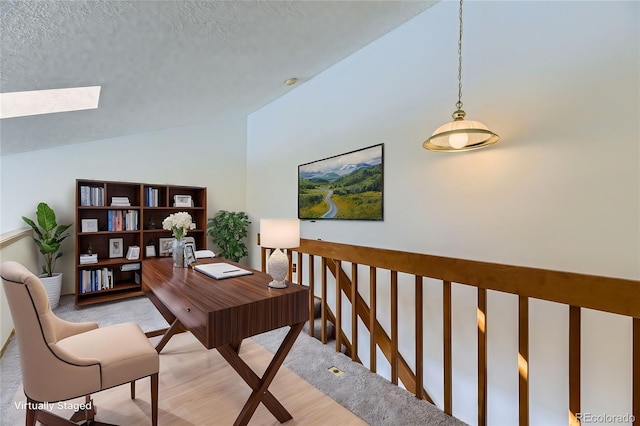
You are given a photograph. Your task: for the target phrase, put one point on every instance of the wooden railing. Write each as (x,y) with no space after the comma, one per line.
(614,295)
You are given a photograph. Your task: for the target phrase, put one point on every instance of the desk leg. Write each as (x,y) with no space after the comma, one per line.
(176,327)
(260,386)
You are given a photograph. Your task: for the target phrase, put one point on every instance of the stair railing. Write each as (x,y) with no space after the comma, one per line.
(613,295)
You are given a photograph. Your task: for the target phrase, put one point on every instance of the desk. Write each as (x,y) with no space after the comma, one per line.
(221,313)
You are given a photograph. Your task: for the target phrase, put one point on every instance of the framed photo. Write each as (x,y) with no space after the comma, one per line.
(190,241)
(182,201)
(345,186)
(89,225)
(189,255)
(150,251)
(164,246)
(133,253)
(116,247)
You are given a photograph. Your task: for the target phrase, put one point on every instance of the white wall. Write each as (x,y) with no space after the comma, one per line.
(559,82)
(211,155)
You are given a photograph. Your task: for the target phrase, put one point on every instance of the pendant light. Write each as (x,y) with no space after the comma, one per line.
(460,134)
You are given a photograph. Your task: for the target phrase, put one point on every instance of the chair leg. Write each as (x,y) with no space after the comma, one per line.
(133,389)
(31,413)
(154,399)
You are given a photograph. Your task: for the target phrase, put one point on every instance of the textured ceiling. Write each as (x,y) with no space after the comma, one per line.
(167,64)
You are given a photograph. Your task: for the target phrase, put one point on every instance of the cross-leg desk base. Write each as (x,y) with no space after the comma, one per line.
(230,353)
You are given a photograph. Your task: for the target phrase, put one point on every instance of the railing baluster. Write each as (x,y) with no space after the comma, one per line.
(372,319)
(482,357)
(523,360)
(338,324)
(312,308)
(448,368)
(354,312)
(574,364)
(636,372)
(419,337)
(394,327)
(323,311)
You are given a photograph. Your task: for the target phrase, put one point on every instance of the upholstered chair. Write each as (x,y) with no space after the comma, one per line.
(61,360)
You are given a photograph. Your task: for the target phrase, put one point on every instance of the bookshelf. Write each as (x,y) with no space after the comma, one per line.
(135,220)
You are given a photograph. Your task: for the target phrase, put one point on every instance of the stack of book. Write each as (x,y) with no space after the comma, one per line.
(86,259)
(120,201)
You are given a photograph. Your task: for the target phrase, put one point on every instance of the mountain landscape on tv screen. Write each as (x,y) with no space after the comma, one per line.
(341,190)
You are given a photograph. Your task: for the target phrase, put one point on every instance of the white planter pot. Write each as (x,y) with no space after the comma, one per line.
(53,286)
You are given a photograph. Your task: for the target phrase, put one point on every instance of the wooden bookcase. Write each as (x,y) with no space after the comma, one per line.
(114,276)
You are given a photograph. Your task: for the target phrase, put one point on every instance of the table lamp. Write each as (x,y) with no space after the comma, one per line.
(279,234)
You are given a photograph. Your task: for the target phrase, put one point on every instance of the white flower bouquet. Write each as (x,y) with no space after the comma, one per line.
(178,223)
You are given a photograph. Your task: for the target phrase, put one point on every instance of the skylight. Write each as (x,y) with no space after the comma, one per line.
(35,102)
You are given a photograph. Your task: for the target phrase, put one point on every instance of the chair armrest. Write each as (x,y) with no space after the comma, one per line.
(66,329)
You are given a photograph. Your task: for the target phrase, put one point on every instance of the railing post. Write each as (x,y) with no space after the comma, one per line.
(419,337)
(394,327)
(323,311)
(523,360)
(574,364)
(354,312)
(312,308)
(636,372)
(338,324)
(482,356)
(447,363)
(373,286)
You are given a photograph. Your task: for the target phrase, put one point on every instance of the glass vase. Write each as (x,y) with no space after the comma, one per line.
(177,251)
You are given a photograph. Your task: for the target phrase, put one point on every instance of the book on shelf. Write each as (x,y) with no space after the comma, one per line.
(95,280)
(88,258)
(152,197)
(91,196)
(120,220)
(120,201)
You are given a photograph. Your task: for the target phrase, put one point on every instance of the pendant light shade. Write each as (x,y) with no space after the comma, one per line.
(460,134)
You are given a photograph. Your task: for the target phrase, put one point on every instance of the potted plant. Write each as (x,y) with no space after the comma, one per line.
(49,236)
(227,231)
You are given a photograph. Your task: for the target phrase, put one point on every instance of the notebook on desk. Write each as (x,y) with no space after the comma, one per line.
(221,271)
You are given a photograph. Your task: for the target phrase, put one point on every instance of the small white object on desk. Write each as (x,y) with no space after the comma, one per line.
(201,254)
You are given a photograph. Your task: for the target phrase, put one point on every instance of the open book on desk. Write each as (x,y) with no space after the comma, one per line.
(221,271)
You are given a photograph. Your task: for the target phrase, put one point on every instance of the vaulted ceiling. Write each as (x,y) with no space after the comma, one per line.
(164,64)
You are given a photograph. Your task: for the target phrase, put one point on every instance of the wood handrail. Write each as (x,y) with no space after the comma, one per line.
(614,295)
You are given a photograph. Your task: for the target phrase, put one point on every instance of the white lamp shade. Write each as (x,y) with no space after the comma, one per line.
(280,233)
(461,135)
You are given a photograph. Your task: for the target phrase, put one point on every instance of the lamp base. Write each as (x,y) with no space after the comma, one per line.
(278,284)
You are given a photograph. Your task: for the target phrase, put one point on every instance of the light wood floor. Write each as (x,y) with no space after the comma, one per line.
(198,387)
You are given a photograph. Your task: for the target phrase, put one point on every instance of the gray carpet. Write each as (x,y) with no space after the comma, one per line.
(369,396)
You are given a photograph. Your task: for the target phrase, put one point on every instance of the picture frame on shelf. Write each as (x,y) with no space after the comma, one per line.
(182,201)
(133,253)
(89,225)
(116,247)
(189,255)
(164,246)
(150,250)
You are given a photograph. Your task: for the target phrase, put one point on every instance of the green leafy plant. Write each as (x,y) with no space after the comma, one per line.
(227,231)
(50,235)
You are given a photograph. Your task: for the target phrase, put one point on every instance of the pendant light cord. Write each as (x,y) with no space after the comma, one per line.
(459,103)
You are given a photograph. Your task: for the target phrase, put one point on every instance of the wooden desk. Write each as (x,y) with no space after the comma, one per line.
(221,313)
